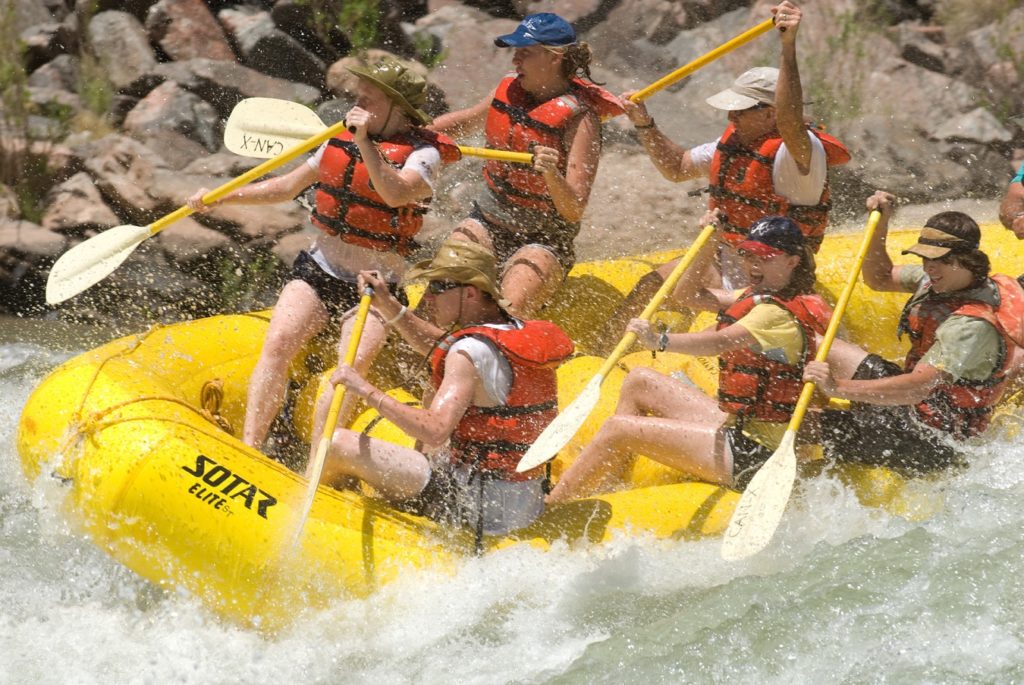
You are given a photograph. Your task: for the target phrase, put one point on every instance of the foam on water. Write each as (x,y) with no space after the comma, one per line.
(843,594)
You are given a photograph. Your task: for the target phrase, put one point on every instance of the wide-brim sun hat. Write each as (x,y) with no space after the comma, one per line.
(403,87)
(543,28)
(461,261)
(753,87)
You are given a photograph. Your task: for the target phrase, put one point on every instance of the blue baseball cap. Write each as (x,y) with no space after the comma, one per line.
(544,28)
(773,235)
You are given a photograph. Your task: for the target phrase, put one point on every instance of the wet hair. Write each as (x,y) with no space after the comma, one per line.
(954,223)
(803,279)
(975,261)
(576,61)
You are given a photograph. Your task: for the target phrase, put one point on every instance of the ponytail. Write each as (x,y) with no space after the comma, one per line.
(576,61)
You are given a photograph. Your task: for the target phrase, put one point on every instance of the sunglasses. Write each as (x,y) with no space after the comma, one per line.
(438,287)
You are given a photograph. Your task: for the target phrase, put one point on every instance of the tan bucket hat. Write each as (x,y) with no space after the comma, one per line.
(406,89)
(461,261)
(753,87)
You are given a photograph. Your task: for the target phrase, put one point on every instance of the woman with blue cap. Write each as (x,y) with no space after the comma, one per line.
(529,216)
(765,335)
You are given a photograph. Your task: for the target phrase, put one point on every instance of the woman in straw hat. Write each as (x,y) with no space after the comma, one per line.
(530,216)
(764,337)
(495,390)
(956,368)
(374,181)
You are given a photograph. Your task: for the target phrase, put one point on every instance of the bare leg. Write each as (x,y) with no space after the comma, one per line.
(683,435)
(396,472)
(844,358)
(531,277)
(298,316)
(370,345)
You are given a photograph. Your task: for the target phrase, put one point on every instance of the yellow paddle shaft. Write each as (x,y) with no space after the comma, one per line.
(834,321)
(249,176)
(350,356)
(687,69)
(500,155)
(666,288)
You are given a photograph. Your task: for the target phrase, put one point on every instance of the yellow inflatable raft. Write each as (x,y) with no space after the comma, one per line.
(141,433)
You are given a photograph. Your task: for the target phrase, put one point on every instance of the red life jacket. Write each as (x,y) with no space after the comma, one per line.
(515,122)
(347,204)
(741,186)
(751,385)
(1011,307)
(494,439)
(960,407)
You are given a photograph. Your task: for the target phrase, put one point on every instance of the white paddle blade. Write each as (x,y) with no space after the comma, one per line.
(91,261)
(266,127)
(314,471)
(760,509)
(560,431)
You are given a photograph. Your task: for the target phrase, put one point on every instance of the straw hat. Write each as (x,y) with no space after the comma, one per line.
(403,87)
(461,261)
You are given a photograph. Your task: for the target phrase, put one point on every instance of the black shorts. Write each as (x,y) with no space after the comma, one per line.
(338,295)
(748,456)
(508,241)
(877,435)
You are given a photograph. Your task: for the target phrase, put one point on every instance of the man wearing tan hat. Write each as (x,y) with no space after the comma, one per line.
(957,366)
(495,390)
(374,181)
(767,162)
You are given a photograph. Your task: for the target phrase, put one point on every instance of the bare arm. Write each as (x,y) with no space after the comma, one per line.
(878,270)
(789,95)
(672,160)
(268,192)
(434,424)
(571,192)
(464,122)
(419,333)
(704,343)
(1011,209)
(905,389)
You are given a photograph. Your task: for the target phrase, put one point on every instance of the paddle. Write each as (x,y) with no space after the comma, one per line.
(565,425)
(316,467)
(687,69)
(93,260)
(259,127)
(759,510)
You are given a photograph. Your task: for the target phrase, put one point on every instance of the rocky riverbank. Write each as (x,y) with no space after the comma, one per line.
(116,110)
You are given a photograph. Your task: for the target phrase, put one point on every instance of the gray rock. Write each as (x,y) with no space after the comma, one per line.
(61,73)
(29,239)
(171,107)
(473,65)
(122,47)
(267,49)
(123,169)
(224,84)
(977,126)
(186,29)
(75,206)
(186,240)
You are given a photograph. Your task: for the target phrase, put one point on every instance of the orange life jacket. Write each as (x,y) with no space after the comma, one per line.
(1010,312)
(515,122)
(494,439)
(741,186)
(347,204)
(750,384)
(960,407)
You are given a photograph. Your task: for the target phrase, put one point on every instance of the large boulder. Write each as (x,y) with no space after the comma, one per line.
(171,107)
(186,29)
(75,207)
(122,47)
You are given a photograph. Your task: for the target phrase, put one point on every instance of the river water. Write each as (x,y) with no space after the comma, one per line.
(845,594)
